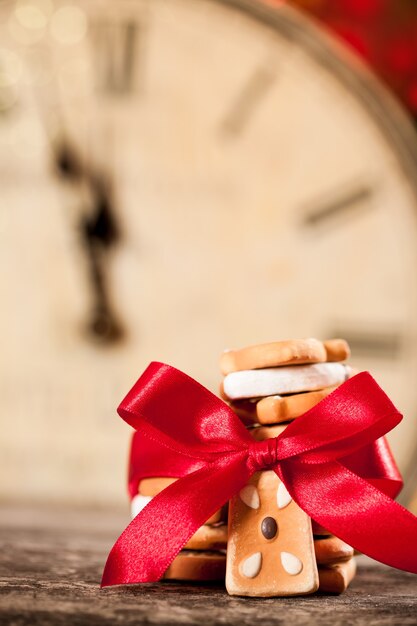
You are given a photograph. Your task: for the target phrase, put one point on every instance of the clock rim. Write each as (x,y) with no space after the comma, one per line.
(389,115)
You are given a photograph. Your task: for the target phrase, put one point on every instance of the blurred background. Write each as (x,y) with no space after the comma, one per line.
(178,177)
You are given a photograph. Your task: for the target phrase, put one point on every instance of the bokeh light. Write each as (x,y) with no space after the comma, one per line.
(33,14)
(11,69)
(68,25)
(27,24)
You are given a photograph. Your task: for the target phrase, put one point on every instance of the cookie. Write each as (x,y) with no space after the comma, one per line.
(294,351)
(276,409)
(150,487)
(330,550)
(209,538)
(278,353)
(284,380)
(336,349)
(337,578)
(270,550)
(192,565)
(153,486)
(259,433)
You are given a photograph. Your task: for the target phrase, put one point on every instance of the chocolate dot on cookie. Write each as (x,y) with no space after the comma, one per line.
(269,527)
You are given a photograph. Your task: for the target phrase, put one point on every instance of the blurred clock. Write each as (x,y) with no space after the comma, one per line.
(179,177)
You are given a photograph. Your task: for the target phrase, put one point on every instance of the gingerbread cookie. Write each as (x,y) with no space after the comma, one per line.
(276,409)
(150,487)
(330,550)
(284,380)
(192,565)
(270,549)
(209,538)
(337,578)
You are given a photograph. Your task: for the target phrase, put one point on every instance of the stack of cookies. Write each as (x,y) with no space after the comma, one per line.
(273,548)
(204,556)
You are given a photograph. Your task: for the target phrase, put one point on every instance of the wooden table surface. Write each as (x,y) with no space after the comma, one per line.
(51,562)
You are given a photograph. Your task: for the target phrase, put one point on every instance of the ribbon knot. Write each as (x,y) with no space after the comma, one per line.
(263,454)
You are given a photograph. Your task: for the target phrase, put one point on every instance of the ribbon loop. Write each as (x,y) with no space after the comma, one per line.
(263,454)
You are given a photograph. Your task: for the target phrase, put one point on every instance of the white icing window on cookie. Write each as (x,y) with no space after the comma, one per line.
(250,496)
(251,566)
(283,497)
(291,563)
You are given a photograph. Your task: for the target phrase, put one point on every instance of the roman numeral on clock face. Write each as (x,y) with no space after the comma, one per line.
(247,100)
(115,48)
(339,204)
(370,343)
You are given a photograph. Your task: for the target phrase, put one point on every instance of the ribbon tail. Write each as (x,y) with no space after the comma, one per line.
(152,540)
(355,510)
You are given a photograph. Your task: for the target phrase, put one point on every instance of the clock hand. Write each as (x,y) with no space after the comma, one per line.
(67,163)
(99,232)
(115,46)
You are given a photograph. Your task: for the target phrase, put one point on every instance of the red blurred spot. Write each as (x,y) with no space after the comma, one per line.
(383,32)
(401,56)
(412,97)
(362,9)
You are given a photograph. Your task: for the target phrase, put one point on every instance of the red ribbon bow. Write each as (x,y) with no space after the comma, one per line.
(333,461)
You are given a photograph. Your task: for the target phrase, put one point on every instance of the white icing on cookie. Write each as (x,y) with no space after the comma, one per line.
(138,503)
(283,380)
(291,563)
(251,566)
(249,495)
(283,497)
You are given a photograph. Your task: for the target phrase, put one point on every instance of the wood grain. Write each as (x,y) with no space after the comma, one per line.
(51,562)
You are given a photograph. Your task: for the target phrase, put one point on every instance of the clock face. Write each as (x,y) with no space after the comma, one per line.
(199,175)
